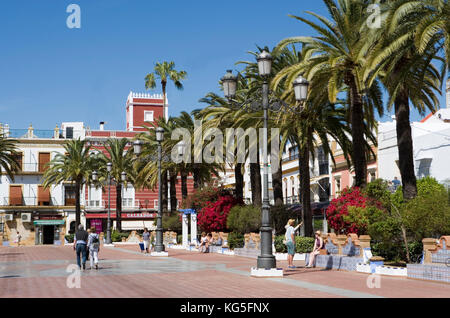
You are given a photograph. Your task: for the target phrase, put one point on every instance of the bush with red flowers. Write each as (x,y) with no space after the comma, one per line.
(338,210)
(213,217)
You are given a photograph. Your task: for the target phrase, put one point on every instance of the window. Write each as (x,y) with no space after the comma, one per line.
(424,167)
(15,195)
(338,185)
(69,195)
(43,196)
(69,132)
(19,159)
(148,116)
(44,158)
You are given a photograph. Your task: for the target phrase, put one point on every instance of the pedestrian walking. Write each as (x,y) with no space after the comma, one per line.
(94,247)
(80,246)
(18,238)
(146,239)
(87,247)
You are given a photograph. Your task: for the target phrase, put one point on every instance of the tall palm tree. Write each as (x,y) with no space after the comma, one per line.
(433,26)
(164,72)
(8,156)
(408,75)
(338,56)
(121,160)
(75,166)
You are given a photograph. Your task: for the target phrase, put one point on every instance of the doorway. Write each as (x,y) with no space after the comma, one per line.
(49,234)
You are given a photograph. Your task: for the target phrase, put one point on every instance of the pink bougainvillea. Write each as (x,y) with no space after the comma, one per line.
(213,217)
(339,207)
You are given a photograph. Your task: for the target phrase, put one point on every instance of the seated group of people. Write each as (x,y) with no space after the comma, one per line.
(206,241)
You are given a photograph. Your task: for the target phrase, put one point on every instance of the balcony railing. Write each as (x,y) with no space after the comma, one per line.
(292,199)
(33,167)
(29,201)
(290,158)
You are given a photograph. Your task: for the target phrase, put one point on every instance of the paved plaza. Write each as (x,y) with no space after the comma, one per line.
(40,271)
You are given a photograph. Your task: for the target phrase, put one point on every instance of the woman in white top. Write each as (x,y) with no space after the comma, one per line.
(94,247)
(290,241)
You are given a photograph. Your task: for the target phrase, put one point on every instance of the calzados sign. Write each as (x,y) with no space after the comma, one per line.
(140,215)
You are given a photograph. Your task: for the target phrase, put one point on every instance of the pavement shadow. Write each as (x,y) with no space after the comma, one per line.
(11,254)
(302,270)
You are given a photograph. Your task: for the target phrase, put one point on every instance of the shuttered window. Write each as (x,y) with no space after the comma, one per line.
(44,158)
(15,195)
(43,196)
(19,160)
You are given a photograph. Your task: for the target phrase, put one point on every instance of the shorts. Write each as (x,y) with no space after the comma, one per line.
(146,244)
(290,248)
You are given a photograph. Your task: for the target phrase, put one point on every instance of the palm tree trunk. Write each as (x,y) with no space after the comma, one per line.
(358,141)
(277,185)
(305,189)
(239,177)
(163,85)
(164,189)
(119,207)
(184,189)
(255,180)
(405,145)
(173,191)
(197,177)
(77,205)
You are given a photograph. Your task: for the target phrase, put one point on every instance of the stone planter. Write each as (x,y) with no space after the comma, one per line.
(375,262)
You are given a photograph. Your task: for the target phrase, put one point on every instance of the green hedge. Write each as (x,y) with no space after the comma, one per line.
(116,236)
(236,240)
(302,244)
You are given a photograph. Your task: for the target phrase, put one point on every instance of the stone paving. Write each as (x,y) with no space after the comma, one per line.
(41,271)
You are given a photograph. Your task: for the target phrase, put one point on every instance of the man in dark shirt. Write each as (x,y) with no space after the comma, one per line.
(79,245)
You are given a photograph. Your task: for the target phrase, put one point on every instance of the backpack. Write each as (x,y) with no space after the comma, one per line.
(95,239)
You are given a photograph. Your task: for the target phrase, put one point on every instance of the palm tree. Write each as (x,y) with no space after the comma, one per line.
(338,56)
(220,114)
(408,75)
(75,166)
(121,160)
(433,27)
(165,71)
(8,156)
(318,123)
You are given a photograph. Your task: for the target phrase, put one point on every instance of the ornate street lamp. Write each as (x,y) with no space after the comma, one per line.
(301,89)
(266,261)
(159,246)
(229,82)
(108,230)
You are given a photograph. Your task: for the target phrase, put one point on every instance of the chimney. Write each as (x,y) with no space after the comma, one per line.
(102,125)
(448,92)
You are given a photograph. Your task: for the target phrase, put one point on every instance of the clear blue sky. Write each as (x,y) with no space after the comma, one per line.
(50,73)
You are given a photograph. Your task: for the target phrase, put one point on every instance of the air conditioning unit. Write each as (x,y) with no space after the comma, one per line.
(9,217)
(26,217)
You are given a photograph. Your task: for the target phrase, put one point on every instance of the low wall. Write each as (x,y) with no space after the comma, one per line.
(438,273)
(347,263)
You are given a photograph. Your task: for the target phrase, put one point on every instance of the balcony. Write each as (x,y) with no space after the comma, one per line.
(32,202)
(32,168)
(292,199)
(290,158)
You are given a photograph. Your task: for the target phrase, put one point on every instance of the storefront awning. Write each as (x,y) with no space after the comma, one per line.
(124,215)
(49,222)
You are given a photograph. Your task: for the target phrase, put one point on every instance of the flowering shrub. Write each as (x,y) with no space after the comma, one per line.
(338,211)
(213,217)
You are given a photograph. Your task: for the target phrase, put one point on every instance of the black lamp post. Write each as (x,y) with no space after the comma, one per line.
(159,246)
(301,93)
(108,229)
(266,260)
